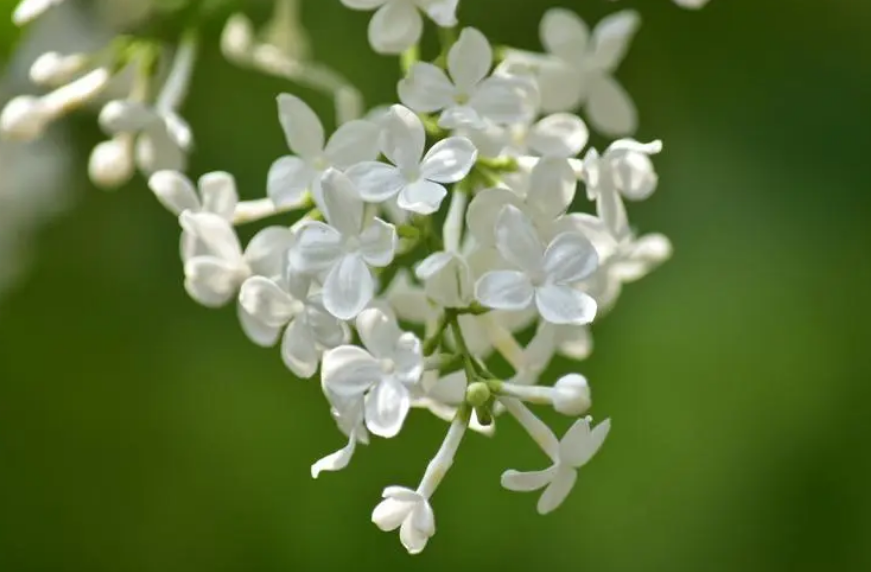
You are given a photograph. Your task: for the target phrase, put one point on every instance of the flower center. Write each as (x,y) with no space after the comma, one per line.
(388,366)
(461,98)
(321,164)
(352,244)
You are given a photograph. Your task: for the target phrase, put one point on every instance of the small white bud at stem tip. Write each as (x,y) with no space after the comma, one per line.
(53,68)
(111,163)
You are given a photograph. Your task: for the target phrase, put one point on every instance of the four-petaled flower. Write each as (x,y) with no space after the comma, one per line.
(547,275)
(575,449)
(417,180)
(344,249)
(410,512)
(397,24)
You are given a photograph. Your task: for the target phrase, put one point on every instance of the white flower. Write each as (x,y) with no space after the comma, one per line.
(214,275)
(380,376)
(417,180)
(469,98)
(410,512)
(397,24)
(163,138)
(576,448)
(28,10)
(349,418)
(287,305)
(581,72)
(292,175)
(447,278)
(546,275)
(345,248)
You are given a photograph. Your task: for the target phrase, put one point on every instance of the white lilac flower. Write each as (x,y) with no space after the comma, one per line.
(28,10)
(575,449)
(292,175)
(416,179)
(380,376)
(215,273)
(350,419)
(471,97)
(286,305)
(570,395)
(410,512)
(344,248)
(397,24)
(581,69)
(546,275)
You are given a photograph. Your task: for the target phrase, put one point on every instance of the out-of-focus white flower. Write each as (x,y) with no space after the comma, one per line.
(470,98)
(417,180)
(344,249)
(54,68)
(575,449)
(580,69)
(397,24)
(215,273)
(286,305)
(292,175)
(410,512)
(692,4)
(546,275)
(28,10)
(381,375)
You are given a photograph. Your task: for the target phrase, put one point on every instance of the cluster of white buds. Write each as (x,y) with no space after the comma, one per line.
(395,299)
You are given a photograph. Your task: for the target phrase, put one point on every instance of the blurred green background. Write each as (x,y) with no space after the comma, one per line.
(140,432)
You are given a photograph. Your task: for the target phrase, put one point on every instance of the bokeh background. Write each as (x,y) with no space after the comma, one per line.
(140,432)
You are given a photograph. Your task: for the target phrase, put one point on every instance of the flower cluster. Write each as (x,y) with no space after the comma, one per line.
(428,235)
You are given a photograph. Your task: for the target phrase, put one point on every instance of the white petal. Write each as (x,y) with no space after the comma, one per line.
(610,109)
(288,179)
(449,160)
(391,512)
(298,350)
(395,27)
(579,444)
(387,406)
(417,529)
(265,301)
(408,359)
(564,305)
(353,142)
(348,287)
(575,342)
(645,254)
(633,174)
(378,243)
(570,257)
(318,247)
(218,190)
(376,182)
(403,138)
(174,191)
(611,38)
(267,251)
(211,281)
(526,481)
(470,59)
(451,285)
(422,197)
(216,235)
(364,4)
(426,89)
(564,34)
(335,461)
(378,332)
(444,12)
(258,332)
(552,186)
(327,330)
(558,490)
(504,290)
(484,210)
(342,206)
(349,371)
(518,241)
(466,117)
(562,87)
(560,135)
(505,101)
(302,128)
(432,264)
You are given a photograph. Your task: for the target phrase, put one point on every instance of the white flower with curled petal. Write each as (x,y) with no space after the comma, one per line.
(546,276)
(344,249)
(580,71)
(163,137)
(286,305)
(349,417)
(470,97)
(292,175)
(575,450)
(416,179)
(397,24)
(215,273)
(410,512)
(381,375)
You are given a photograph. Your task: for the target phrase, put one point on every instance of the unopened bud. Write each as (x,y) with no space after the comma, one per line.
(24,118)
(571,395)
(53,68)
(111,162)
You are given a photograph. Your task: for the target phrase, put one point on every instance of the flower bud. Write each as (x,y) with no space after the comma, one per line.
(124,116)
(24,118)
(571,395)
(53,68)
(111,163)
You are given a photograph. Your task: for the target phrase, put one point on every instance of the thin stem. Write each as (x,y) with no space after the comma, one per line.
(452,231)
(177,82)
(536,428)
(444,458)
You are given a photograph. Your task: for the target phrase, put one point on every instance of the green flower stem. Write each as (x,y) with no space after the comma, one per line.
(408,58)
